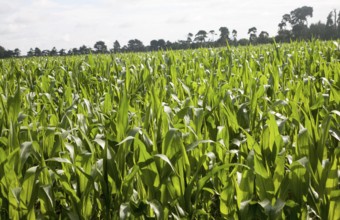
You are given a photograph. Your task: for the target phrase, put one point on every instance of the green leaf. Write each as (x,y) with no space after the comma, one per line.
(196,143)
(157,208)
(59,159)
(166,159)
(14,105)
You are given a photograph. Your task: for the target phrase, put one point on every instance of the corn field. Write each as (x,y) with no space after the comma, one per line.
(225,133)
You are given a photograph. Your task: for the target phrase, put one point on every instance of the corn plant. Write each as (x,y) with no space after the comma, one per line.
(226,133)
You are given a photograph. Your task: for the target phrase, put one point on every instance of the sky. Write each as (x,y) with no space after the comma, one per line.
(26,24)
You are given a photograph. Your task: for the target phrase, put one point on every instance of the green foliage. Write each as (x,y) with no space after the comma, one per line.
(228,133)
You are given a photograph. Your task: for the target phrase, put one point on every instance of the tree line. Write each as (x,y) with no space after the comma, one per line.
(293,26)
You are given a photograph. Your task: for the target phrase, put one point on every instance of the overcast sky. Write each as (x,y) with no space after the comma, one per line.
(73,23)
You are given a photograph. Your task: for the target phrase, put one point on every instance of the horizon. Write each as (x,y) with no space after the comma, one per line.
(68,24)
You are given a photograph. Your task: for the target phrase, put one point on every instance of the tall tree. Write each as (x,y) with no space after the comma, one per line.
(17,52)
(338,25)
(116,46)
(286,18)
(283,24)
(100,47)
(75,51)
(53,52)
(189,37)
(224,35)
(30,53)
(300,31)
(135,45)
(45,52)
(2,52)
(157,44)
(243,42)
(37,52)
(154,45)
(212,34)
(330,22)
(84,50)
(299,15)
(9,53)
(263,37)
(331,30)
(62,52)
(319,31)
(283,36)
(299,21)
(252,34)
(335,21)
(201,36)
(234,32)
(161,44)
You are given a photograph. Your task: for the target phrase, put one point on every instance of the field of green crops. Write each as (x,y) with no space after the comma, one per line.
(226,133)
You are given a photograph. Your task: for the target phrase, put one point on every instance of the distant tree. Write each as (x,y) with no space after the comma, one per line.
(75,51)
(263,37)
(161,44)
(154,45)
(168,45)
(234,33)
(330,22)
(62,52)
(224,32)
(299,21)
(17,52)
(2,52)
(212,34)
(178,45)
(83,50)
(283,36)
(201,36)
(283,24)
(183,44)
(124,48)
(189,37)
(331,25)
(37,52)
(243,42)
(338,25)
(53,52)
(263,34)
(319,31)
(45,52)
(224,36)
(286,18)
(30,53)
(9,53)
(135,45)
(299,15)
(335,20)
(252,34)
(116,47)
(300,31)
(100,47)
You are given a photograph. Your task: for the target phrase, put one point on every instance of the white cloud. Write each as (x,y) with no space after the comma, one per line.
(66,37)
